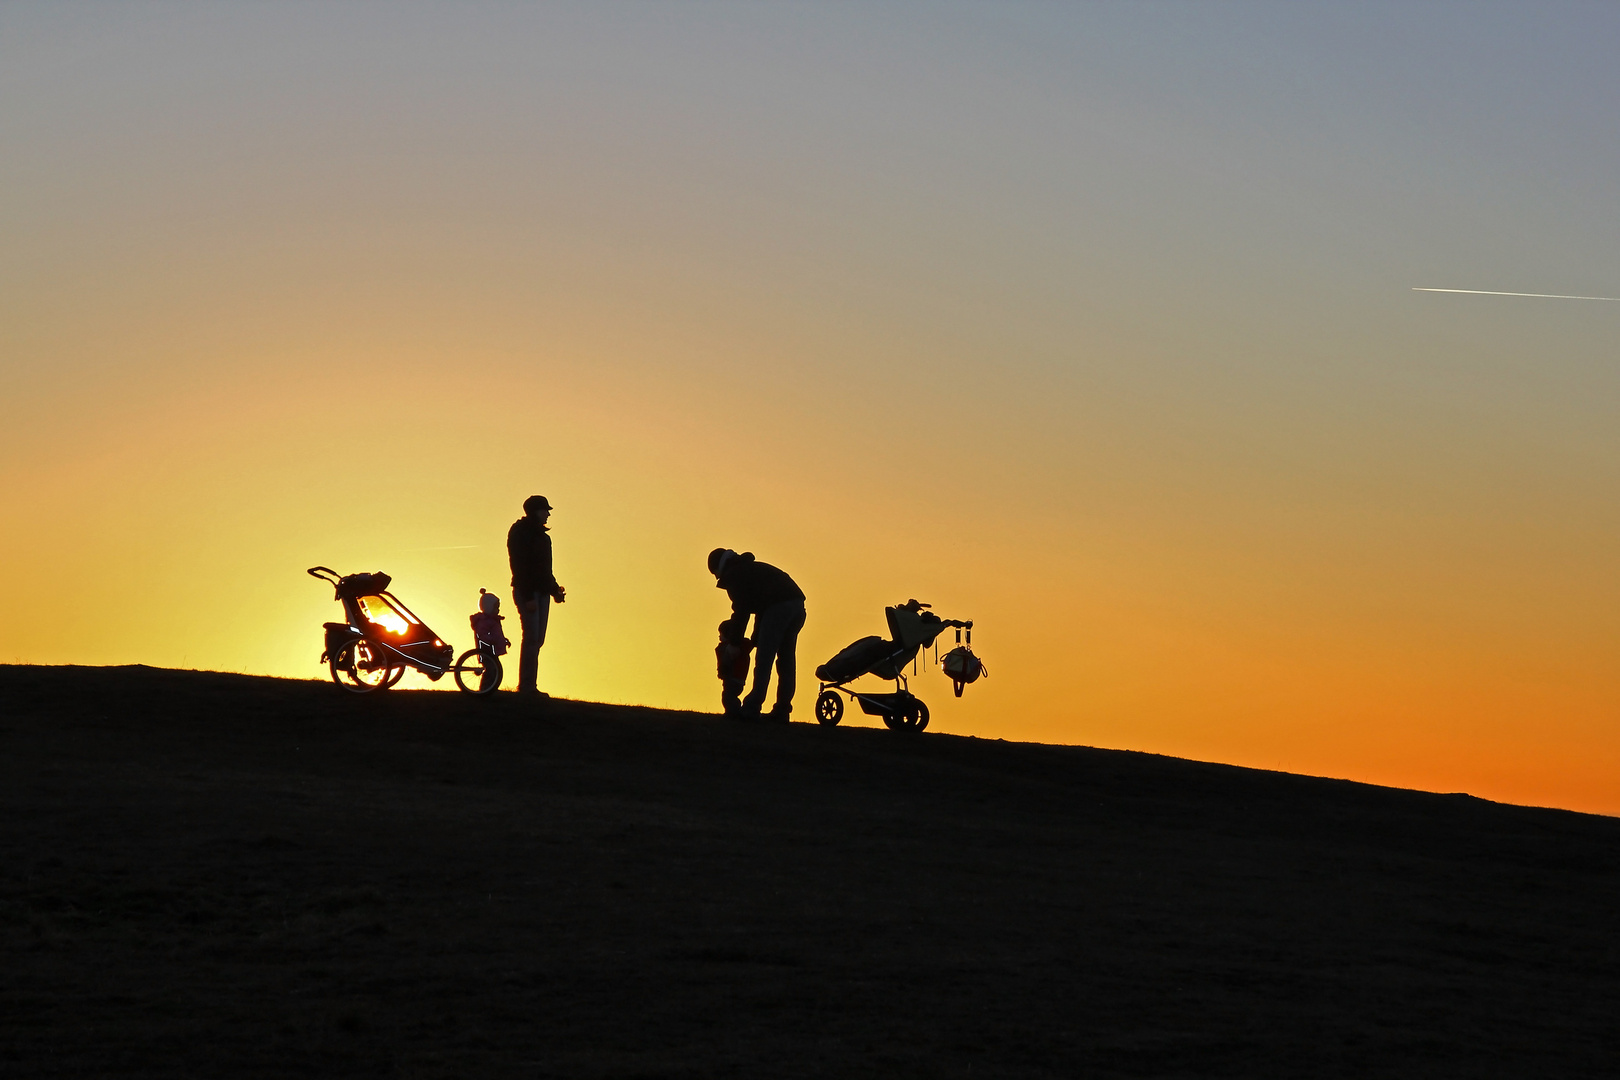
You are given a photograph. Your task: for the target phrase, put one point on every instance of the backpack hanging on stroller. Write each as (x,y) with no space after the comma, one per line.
(911,628)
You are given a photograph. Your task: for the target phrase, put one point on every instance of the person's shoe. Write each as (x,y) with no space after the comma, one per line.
(529,691)
(748,714)
(781,714)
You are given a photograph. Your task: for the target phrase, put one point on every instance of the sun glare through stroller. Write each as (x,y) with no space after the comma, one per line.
(911,628)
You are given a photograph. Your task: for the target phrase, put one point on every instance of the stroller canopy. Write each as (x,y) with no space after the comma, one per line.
(912,627)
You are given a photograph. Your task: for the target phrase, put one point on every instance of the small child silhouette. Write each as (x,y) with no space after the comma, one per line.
(486,625)
(731,663)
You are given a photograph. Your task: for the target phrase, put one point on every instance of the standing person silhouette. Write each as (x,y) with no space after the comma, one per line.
(777,604)
(528,548)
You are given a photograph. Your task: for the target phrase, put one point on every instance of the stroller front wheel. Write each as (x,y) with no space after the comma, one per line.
(477,673)
(829,708)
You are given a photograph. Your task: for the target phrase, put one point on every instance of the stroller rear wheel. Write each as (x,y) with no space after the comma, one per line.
(829,708)
(477,673)
(359,669)
(913,719)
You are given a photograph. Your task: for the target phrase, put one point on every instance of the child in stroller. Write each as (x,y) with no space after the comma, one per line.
(911,628)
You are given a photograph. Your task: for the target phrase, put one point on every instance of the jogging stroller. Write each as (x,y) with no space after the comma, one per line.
(383,637)
(911,628)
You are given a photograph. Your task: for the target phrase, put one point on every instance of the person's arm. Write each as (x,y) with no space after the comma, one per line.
(741,609)
(516,557)
(548,580)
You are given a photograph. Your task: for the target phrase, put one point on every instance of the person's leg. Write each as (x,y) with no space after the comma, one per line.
(731,696)
(787,661)
(768,627)
(486,656)
(529,647)
(533,609)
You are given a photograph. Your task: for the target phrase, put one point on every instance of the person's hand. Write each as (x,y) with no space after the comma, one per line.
(561,594)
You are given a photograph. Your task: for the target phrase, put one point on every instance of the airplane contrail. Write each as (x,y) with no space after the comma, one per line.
(1538,295)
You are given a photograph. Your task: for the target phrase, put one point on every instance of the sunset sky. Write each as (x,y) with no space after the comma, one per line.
(1092,323)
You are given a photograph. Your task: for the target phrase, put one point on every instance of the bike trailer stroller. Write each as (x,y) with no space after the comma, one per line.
(911,628)
(383,637)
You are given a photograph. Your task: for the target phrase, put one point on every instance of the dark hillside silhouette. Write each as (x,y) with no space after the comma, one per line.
(224,876)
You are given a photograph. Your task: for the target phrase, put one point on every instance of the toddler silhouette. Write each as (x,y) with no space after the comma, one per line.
(486,625)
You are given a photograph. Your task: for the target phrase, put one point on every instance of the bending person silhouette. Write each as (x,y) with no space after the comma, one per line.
(528,547)
(777,605)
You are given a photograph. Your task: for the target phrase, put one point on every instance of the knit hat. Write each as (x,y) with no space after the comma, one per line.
(489,603)
(718,559)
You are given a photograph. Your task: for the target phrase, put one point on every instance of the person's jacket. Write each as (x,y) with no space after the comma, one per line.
(528,547)
(754,586)
(487,631)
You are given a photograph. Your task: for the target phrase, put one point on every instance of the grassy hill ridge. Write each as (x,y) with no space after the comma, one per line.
(226,875)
